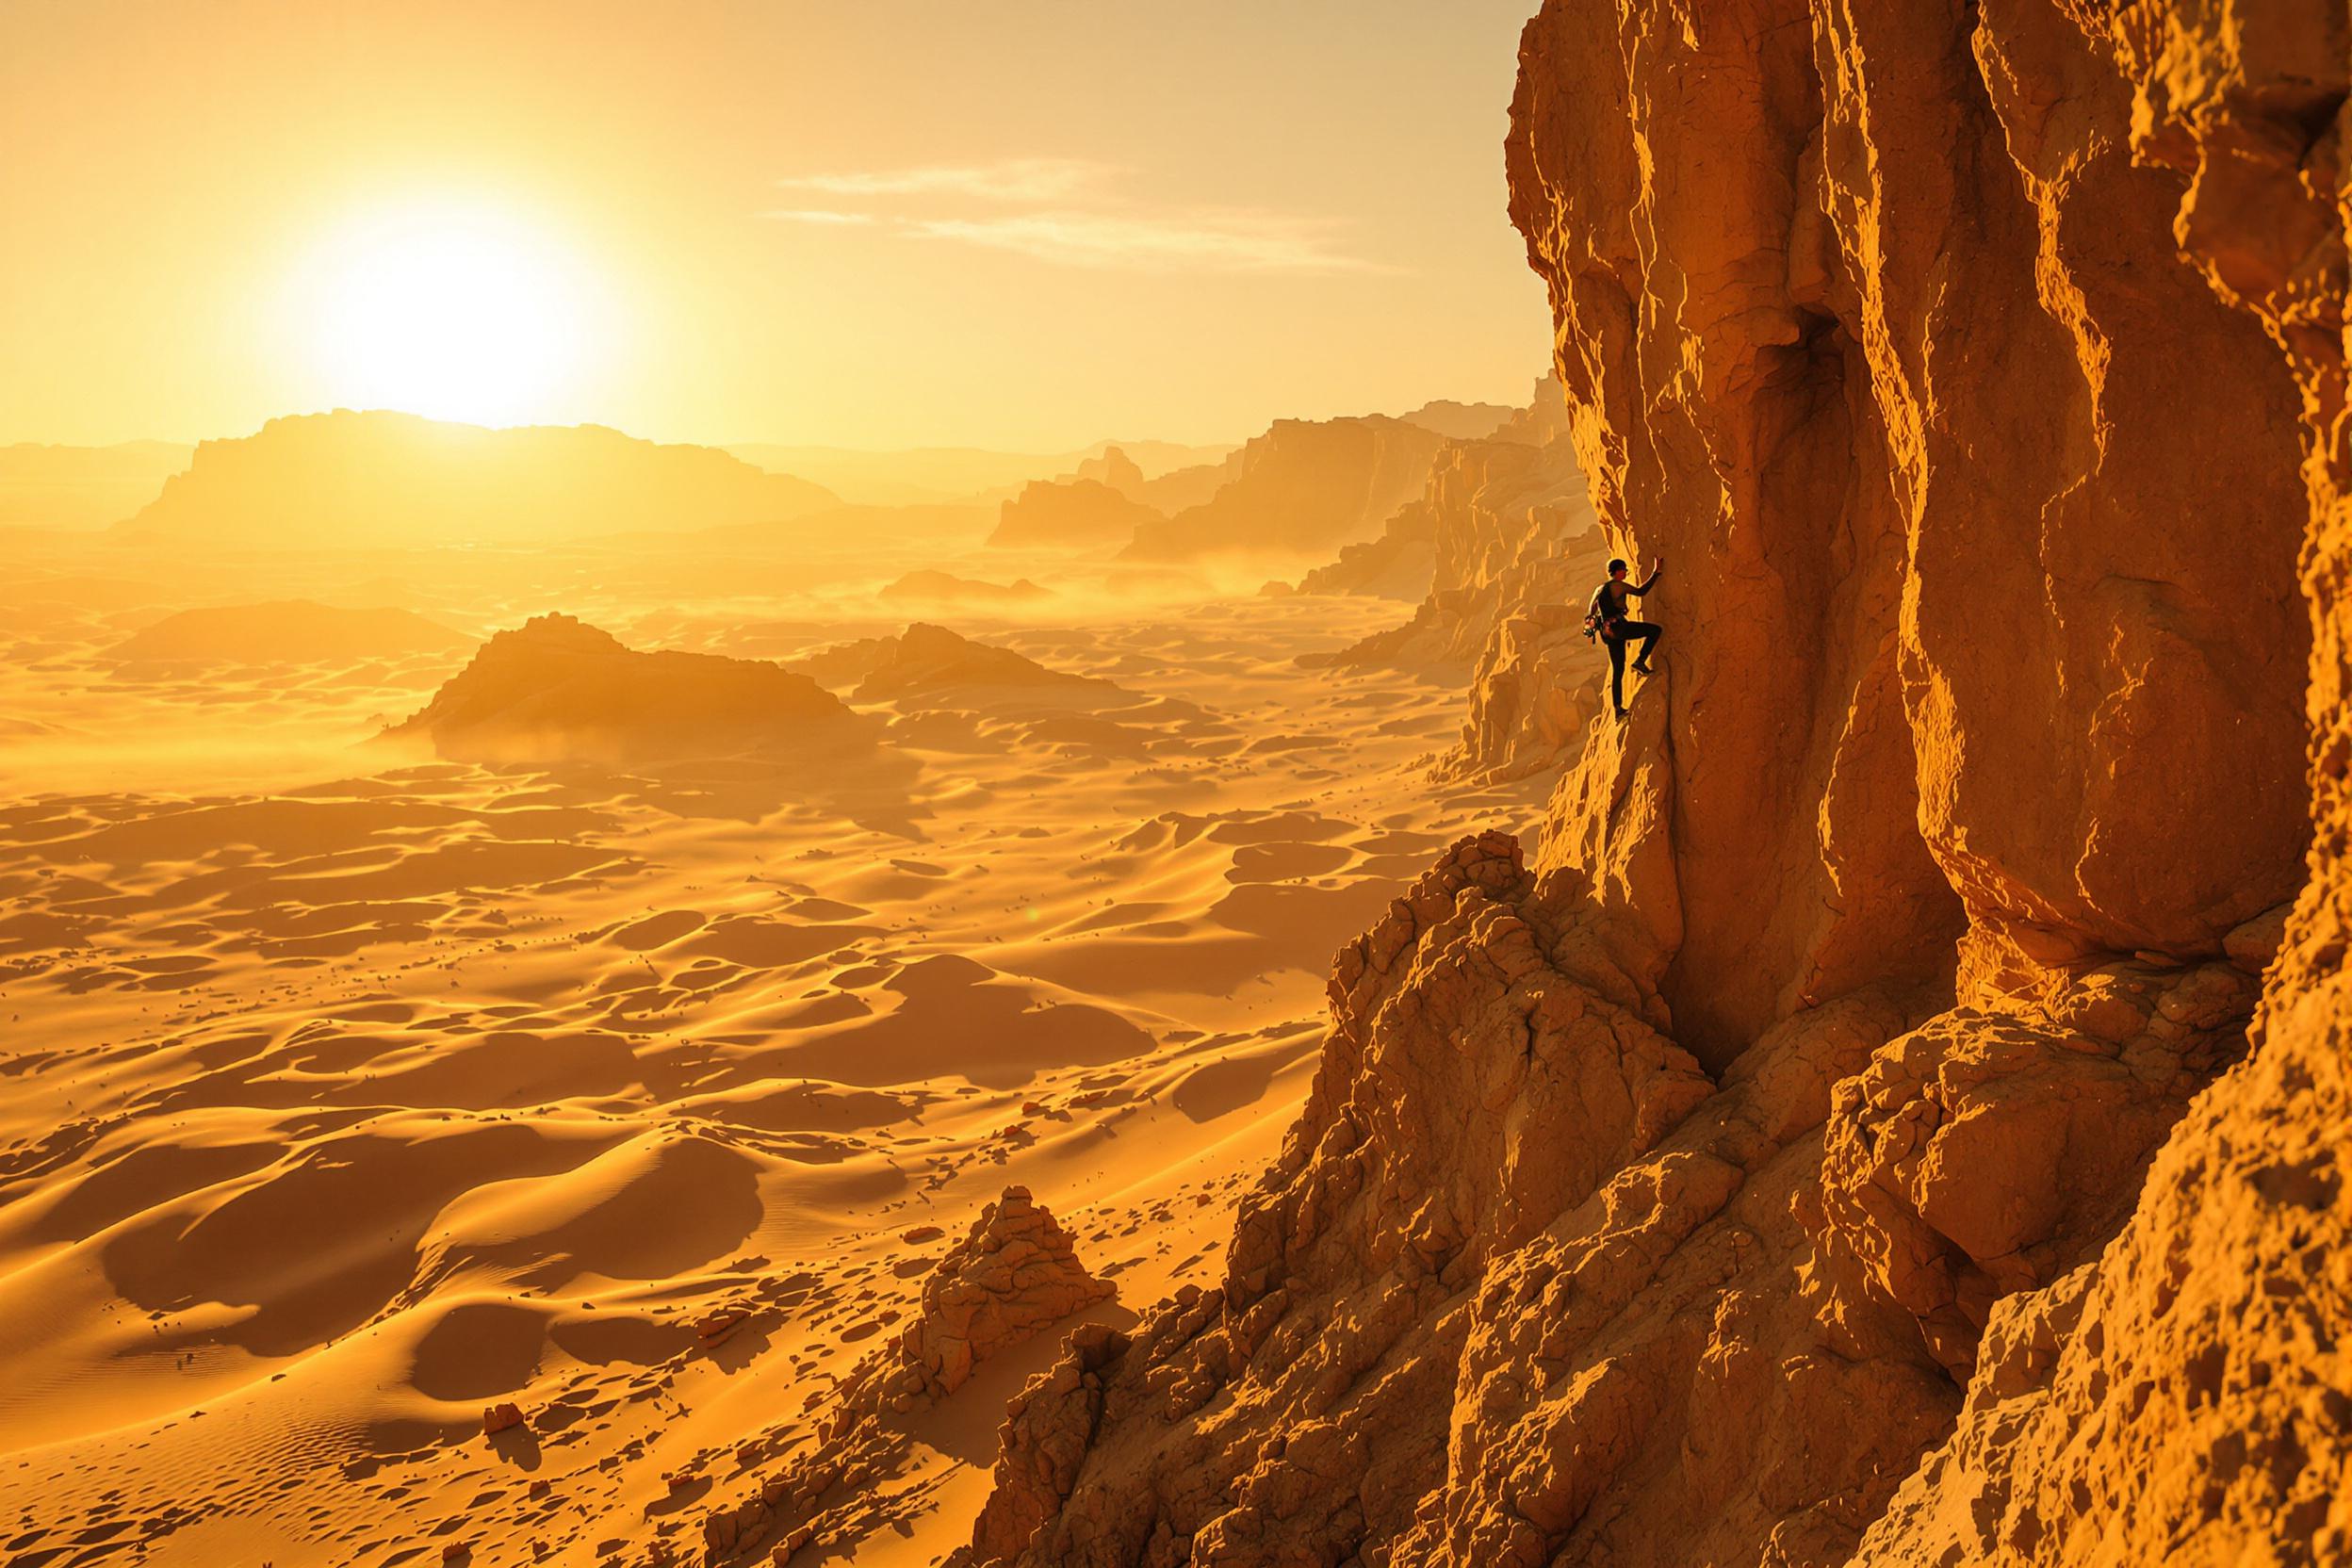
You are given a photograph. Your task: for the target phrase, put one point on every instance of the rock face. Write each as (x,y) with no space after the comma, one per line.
(294,632)
(557,689)
(1068,513)
(386,479)
(1892,1121)
(2188,1389)
(1303,488)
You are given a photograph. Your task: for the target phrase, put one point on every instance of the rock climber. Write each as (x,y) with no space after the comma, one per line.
(1607,619)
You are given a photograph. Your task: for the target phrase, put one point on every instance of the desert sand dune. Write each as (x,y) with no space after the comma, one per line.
(293,632)
(351,1095)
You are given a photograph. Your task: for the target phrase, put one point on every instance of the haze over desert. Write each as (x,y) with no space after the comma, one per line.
(1372,786)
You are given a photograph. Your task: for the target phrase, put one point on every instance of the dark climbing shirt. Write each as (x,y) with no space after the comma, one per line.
(1609,601)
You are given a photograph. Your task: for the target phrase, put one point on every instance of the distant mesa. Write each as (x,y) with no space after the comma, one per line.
(384,479)
(557,688)
(916,475)
(1303,487)
(941,588)
(1479,490)
(927,659)
(1462,421)
(293,632)
(1070,514)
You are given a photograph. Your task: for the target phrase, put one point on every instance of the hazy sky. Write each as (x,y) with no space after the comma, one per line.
(1021,224)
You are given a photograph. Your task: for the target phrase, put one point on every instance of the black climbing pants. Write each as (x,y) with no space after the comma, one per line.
(1649,632)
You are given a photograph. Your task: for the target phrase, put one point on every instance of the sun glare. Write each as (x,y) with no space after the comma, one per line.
(454,313)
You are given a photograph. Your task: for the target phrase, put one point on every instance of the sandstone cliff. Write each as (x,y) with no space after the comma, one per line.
(1790,1165)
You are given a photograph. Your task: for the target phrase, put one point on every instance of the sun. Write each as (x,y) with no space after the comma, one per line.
(457,312)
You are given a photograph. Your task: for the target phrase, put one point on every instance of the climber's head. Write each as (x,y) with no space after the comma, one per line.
(1616,568)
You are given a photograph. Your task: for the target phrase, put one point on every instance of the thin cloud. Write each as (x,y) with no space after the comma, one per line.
(1064,213)
(1007,180)
(817,215)
(1229,242)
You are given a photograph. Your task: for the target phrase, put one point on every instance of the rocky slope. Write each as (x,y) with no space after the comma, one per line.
(1790,1165)
(382,478)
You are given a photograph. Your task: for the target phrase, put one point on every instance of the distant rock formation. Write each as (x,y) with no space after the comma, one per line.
(1190,486)
(1072,514)
(1516,552)
(382,479)
(917,475)
(294,632)
(1461,421)
(1397,565)
(1303,487)
(77,487)
(1116,470)
(930,658)
(556,689)
(942,588)
(1402,563)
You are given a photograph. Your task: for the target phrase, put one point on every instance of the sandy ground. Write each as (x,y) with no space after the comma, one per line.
(346,1093)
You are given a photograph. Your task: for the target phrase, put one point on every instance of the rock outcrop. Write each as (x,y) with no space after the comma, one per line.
(378,479)
(927,659)
(1014,1274)
(556,689)
(1070,514)
(1860,1136)
(1303,488)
